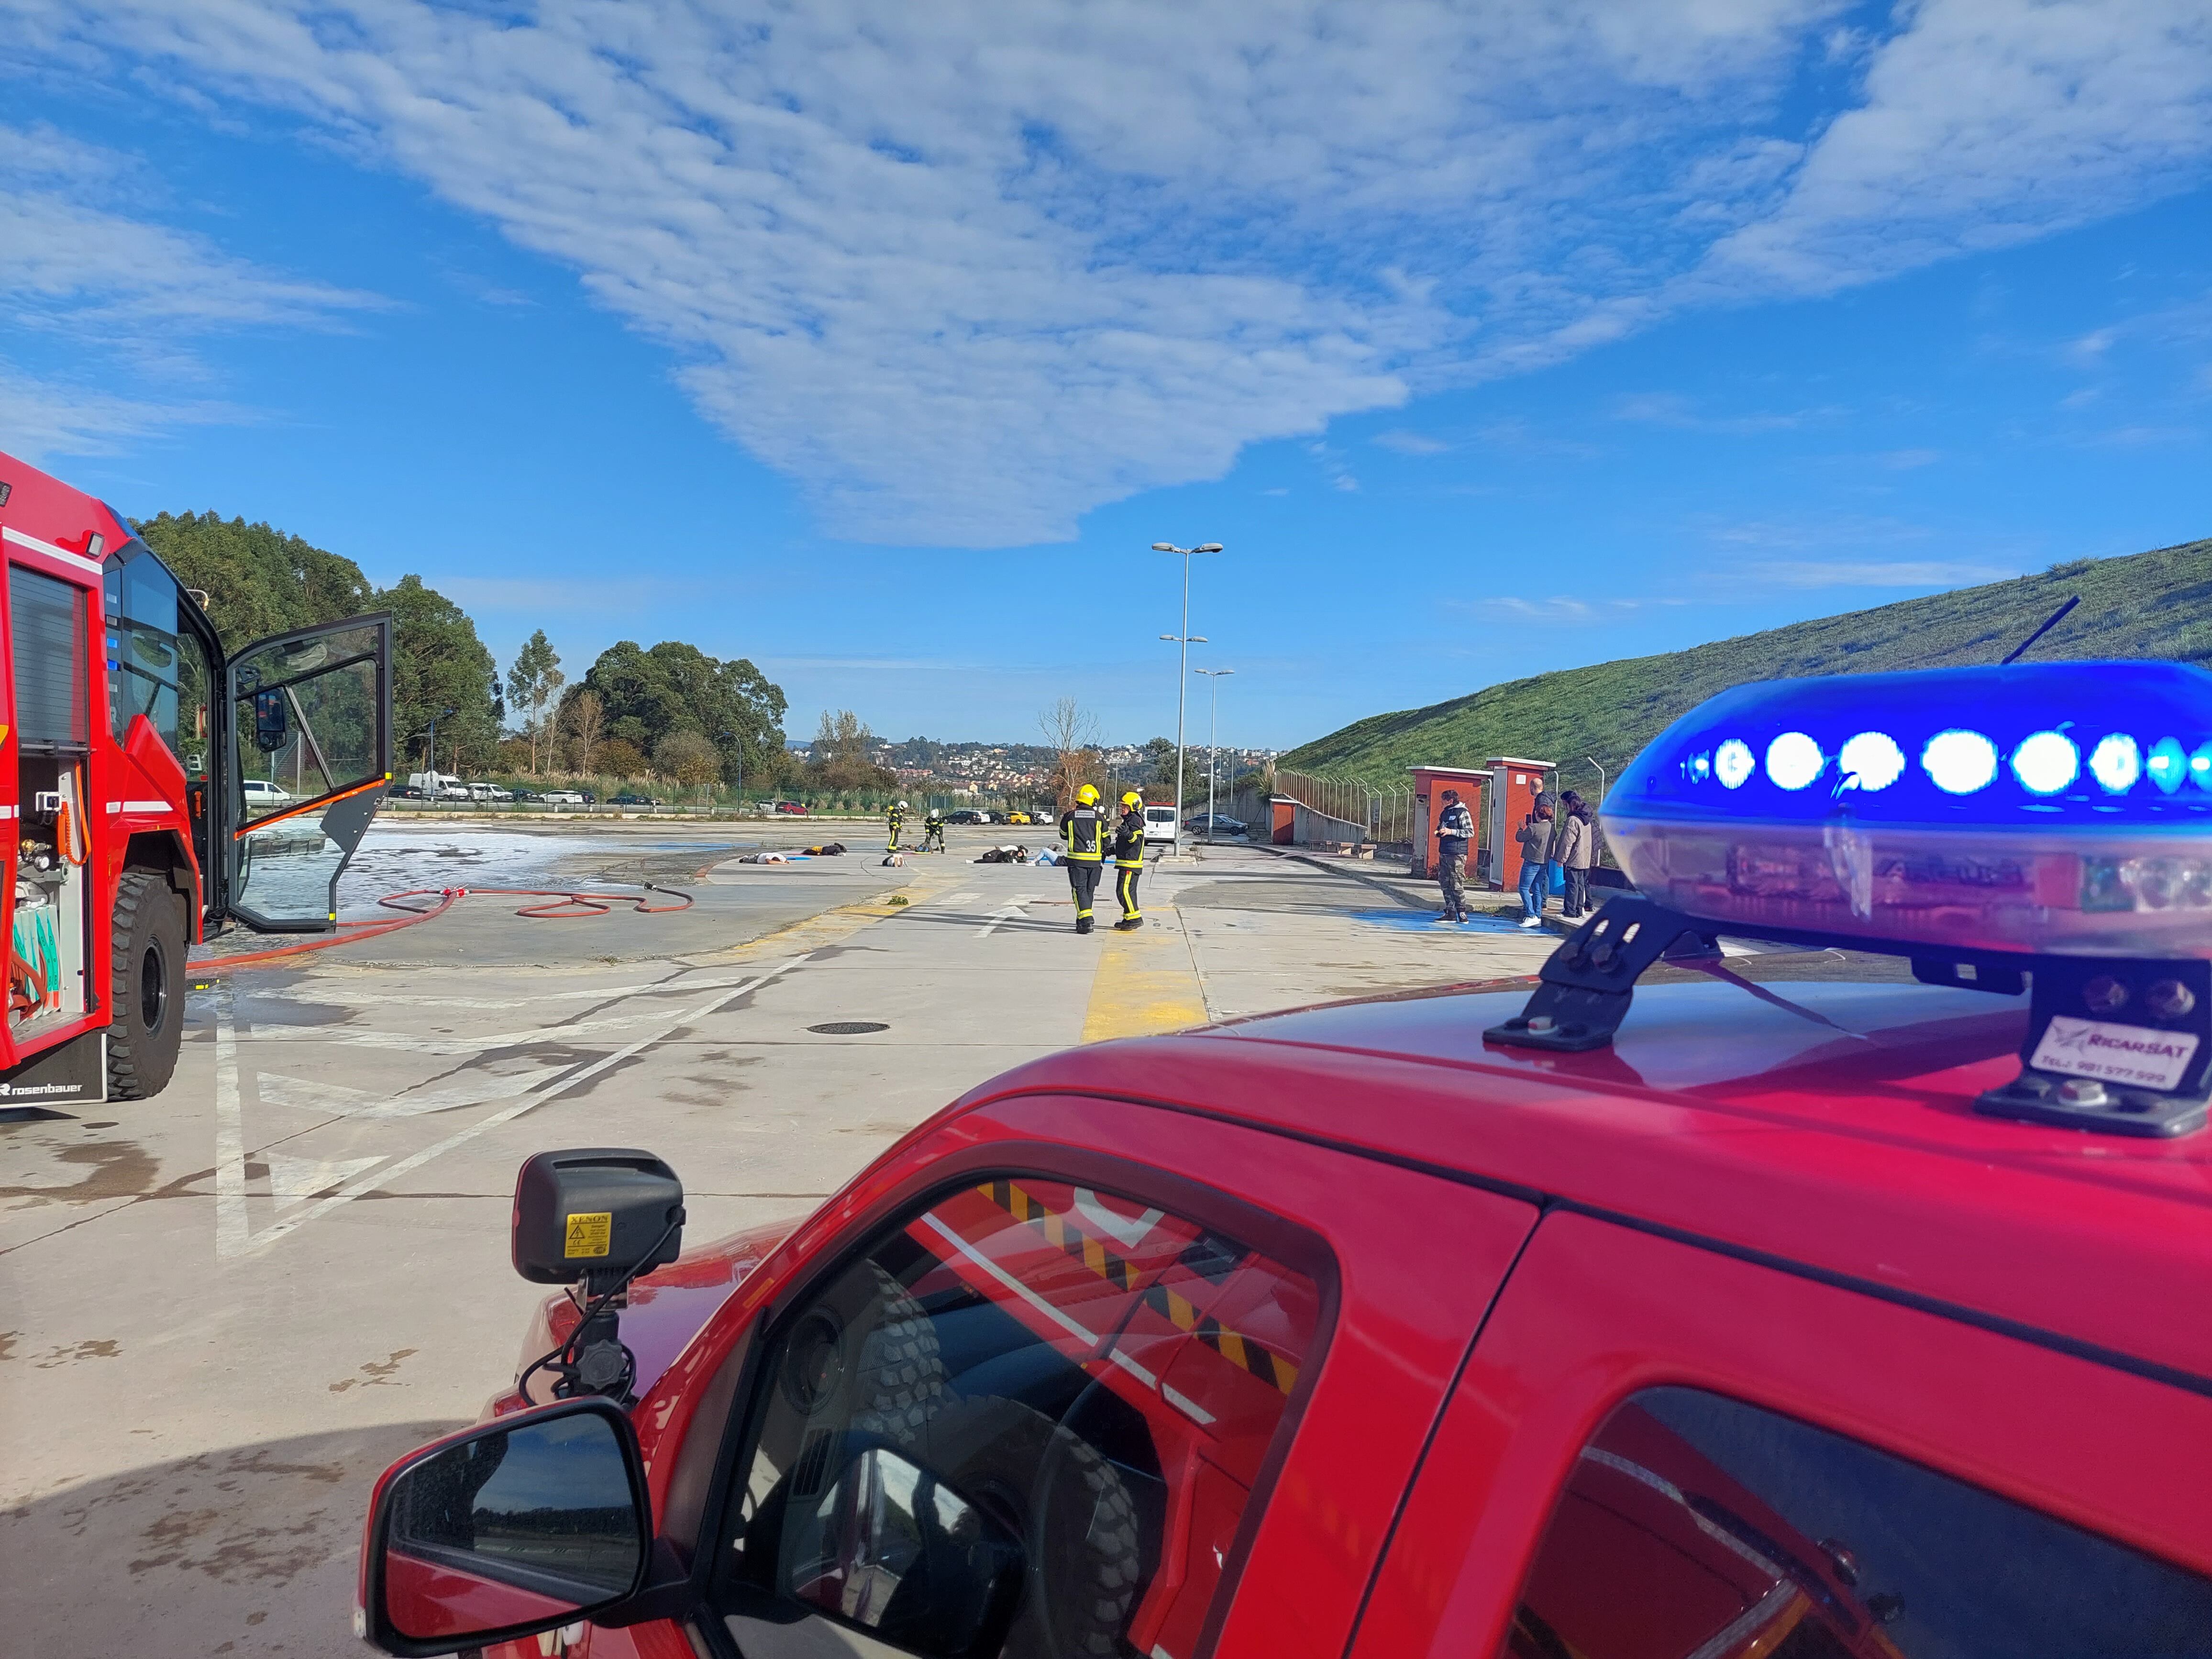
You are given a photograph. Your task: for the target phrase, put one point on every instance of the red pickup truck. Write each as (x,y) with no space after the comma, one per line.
(1760,1319)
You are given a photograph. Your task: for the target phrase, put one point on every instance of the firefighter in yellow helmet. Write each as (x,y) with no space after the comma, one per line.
(898,823)
(1129,860)
(1082,843)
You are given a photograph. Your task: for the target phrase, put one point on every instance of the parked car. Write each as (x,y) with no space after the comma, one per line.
(455,792)
(1217,825)
(528,796)
(1017,817)
(407,792)
(966,815)
(1763,1312)
(260,792)
(1160,824)
(488,792)
(794,809)
(566,798)
(627,800)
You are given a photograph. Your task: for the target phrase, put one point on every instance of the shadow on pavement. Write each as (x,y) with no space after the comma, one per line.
(247,1550)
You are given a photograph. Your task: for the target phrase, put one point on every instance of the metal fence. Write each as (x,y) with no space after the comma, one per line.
(1368,813)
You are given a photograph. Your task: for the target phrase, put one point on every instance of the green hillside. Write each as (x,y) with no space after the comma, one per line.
(2145,605)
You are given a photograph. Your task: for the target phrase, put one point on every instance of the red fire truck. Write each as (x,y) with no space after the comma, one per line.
(158,788)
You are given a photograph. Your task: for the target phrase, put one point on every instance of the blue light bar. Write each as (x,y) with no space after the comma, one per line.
(2061,807)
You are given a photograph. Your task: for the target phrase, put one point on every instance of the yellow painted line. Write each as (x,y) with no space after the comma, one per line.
(1146,983)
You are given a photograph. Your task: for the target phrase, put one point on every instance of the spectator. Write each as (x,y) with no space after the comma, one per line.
(1455,830)
(1578,848)
(1535,837)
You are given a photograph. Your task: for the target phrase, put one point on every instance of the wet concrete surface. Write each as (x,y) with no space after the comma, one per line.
(223,1310)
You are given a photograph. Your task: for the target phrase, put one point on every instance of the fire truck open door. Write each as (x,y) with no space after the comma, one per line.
(309,757)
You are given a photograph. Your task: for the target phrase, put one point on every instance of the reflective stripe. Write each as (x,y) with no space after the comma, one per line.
(51,552)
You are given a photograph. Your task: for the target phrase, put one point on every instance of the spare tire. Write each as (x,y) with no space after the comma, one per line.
(864,1353)
(1068,1504)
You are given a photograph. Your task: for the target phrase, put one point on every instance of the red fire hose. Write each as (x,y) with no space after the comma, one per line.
(561,904)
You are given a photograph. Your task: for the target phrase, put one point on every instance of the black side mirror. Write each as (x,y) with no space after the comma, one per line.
(523,1525)
(272,722)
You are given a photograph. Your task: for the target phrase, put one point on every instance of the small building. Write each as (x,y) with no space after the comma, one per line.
(1430,783)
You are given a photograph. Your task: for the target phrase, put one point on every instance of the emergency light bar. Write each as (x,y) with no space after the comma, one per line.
(2046,808)
(2046,822)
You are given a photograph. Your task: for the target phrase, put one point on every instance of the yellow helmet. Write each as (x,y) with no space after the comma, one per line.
(1132,800)
(1088,794)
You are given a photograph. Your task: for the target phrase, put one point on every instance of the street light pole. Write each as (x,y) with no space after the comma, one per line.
(1213,678)
(1592,759)
(1185,640)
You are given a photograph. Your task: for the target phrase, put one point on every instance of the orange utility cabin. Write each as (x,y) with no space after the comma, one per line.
(1430,783)
(157,787)
(1514,786)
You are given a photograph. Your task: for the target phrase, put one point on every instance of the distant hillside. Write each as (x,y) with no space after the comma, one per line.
(2145,605)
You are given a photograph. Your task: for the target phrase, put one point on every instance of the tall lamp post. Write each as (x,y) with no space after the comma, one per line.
(1213,678)
(433,765)
(1185,640)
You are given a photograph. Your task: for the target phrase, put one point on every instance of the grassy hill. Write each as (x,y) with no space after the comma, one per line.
(2145,605)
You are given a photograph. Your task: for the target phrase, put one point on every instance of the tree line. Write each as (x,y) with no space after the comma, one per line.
(669,712)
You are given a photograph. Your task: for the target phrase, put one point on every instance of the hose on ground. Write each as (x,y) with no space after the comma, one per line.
(558,905)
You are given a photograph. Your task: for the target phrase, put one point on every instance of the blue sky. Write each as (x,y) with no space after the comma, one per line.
(877,342)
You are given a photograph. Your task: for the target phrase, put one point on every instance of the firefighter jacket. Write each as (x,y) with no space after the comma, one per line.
(1129,840)
(1083,834)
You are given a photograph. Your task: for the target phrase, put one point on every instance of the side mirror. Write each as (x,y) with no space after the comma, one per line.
(891,1549)
(272,722)
(501,1531)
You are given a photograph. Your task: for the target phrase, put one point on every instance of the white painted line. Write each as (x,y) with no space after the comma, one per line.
(1000,918)
(232,1236)
(230,1221)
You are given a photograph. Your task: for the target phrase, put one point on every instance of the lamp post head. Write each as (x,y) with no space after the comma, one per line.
(1207,547)
(1165,547)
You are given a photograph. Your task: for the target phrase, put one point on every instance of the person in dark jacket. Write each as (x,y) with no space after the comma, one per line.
(1454,834)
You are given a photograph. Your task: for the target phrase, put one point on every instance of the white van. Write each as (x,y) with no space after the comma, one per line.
(259,792)
(1159,824)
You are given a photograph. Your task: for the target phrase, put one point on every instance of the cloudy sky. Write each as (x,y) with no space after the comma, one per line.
(877,342)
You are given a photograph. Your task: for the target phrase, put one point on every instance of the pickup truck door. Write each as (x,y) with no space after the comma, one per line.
(310,727)
(1659,1450)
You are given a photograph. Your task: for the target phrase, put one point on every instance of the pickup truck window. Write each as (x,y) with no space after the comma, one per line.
(1694,1527)
(1028,1423)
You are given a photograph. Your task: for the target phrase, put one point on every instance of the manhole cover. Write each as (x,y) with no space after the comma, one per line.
(849,1027)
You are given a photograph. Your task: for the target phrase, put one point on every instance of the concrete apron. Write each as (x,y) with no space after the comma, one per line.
(226,1308)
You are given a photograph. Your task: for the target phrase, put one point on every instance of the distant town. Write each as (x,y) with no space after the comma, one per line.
(993,771)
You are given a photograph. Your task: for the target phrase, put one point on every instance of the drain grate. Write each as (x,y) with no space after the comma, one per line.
(849,1027)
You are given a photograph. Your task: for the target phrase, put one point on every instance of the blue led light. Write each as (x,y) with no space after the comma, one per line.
(2199,767)
(1960,763)
(1733,764)
(2116,763)
(2169,765)
(1872,759)
(2046,762)
(1794,760)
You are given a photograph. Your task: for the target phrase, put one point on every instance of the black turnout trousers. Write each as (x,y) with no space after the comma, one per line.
(1082,877)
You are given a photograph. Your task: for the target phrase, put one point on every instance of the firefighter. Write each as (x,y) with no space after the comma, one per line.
(1129,860)
(898,823)
(932,832)
(1083,841)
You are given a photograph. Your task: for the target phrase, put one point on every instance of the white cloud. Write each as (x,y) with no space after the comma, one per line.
(967,270)
(1986,123)
(40,418)
(1411,443)
(71,266)
(1667,409)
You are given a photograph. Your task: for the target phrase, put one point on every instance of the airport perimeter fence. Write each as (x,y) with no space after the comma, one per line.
(1350,809)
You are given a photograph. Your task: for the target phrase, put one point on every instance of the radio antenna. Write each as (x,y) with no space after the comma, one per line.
(2055,619)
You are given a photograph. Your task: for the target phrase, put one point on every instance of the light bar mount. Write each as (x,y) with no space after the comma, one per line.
(2154,1014)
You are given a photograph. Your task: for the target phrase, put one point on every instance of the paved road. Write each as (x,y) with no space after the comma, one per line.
(222,1310)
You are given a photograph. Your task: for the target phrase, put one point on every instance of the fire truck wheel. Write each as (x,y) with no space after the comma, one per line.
(1075,1518)
(146,987)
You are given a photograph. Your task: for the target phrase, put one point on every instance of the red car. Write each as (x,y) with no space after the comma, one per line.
(795,808)
(1432,1325)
